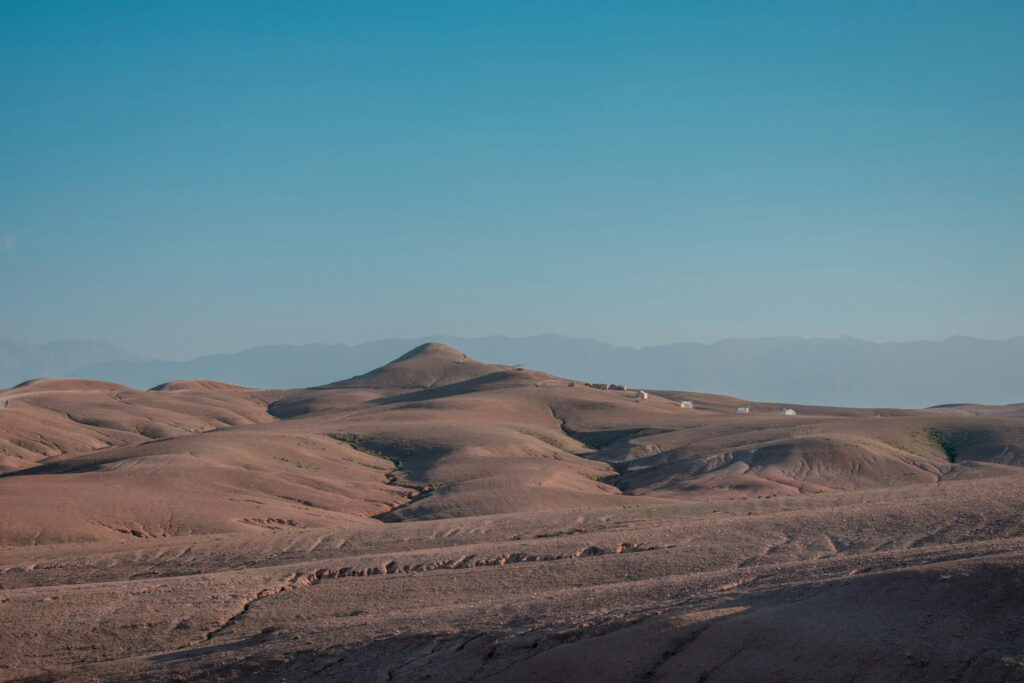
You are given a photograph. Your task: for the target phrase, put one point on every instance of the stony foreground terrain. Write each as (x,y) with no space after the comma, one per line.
(443,519)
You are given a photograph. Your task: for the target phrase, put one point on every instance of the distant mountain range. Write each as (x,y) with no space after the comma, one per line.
(19,362)
(844,371)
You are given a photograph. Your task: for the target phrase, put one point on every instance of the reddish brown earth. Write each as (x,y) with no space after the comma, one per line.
(443,519)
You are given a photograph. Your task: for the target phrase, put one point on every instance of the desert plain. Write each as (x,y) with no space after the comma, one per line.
(449,520)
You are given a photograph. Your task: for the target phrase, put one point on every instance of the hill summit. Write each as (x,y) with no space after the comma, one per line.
(433,350)
(426,366)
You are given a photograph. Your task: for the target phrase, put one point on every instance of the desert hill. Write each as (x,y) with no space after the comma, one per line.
(50,418)
(436,434)
(576,517)
(424,367)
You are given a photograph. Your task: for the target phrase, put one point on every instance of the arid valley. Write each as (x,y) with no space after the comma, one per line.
(444,519)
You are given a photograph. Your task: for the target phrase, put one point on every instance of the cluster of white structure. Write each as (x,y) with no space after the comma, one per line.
(641,396)
(745,410)
(686,405)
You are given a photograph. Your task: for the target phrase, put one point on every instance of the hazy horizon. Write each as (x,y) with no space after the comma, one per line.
(414,339)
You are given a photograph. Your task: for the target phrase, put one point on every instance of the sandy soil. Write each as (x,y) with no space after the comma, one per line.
(443,519)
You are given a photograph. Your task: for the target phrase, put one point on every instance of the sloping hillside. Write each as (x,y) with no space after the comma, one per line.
(436,434)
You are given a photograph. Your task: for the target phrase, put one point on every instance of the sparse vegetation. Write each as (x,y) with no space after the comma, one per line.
(300,465)
(944,439)
(399,474)
(549,441)
(356,442)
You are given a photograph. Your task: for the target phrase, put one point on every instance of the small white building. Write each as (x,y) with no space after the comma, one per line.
(686,405)
(743,410)
(641,396)
(787,411)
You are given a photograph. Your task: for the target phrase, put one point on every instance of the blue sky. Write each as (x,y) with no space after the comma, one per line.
(190,177)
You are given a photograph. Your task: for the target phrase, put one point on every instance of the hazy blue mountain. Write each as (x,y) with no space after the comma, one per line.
(843,371)
(20,362)
(265,366)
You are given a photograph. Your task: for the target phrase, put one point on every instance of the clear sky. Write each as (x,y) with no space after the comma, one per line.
(189,177)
